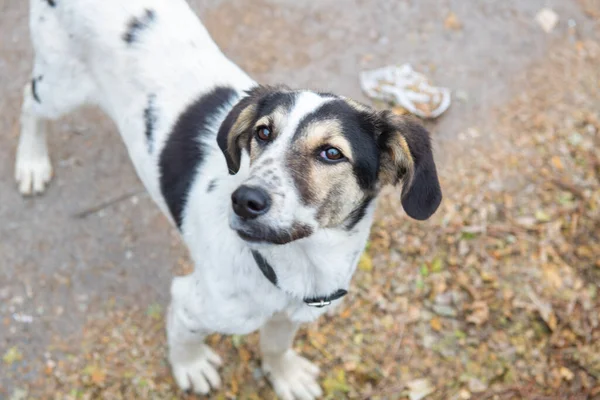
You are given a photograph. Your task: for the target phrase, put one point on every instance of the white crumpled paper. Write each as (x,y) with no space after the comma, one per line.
(403,86)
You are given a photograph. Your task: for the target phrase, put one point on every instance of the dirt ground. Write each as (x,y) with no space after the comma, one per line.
(496,297)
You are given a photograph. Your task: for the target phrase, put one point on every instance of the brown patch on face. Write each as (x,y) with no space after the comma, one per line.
(325,133)
(330,188)
(342,195)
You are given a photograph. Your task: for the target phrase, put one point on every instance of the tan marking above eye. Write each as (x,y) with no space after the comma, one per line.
(274,120)
(340,143)
(264,121)
(328,133)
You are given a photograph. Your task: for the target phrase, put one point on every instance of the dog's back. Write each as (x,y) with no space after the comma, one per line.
(134,46)
(129,57)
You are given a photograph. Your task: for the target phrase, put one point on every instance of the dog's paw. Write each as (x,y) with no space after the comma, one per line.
(293,377)
(199,375)
(32,175)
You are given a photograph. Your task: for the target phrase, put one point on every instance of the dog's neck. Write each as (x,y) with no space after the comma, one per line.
(318,266)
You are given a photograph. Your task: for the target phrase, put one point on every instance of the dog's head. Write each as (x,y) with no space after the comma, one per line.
(317,161)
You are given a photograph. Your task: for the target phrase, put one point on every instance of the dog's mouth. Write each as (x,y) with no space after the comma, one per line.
(271,236)
(250,238)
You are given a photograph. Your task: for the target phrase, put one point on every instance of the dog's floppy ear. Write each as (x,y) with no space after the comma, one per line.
(236,130)
(406,157)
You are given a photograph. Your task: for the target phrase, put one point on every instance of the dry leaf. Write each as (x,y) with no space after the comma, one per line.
(566,374)
(234,385)
(12,355)
(544,309)
(244,354)
(336,384)
(477,386)
(419,389)
(98,376)
(480,313)
(365,263)
(557,163)
(436,324)
(553,276)
(452,22)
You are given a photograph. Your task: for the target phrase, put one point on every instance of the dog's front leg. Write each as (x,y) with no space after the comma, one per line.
(293,377)
(193,363)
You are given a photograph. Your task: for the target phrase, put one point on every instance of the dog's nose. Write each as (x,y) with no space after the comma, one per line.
(249,202)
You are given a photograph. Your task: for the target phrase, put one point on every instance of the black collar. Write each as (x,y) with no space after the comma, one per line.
(269,273)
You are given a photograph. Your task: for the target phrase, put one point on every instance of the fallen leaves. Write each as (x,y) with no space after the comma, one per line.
(436,324)
(96,374)
(476,386)
(566,374)
(452,22)
(557,163)
(366,262)
(12,355)
(336,384)
(419,389)
(154,311)
(480,313)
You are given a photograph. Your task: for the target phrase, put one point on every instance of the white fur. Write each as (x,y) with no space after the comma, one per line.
(80,53)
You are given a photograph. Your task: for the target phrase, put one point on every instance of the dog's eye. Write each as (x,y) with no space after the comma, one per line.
(263,133)
(331,154)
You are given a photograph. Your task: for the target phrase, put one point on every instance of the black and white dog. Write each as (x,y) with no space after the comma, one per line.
(272,189)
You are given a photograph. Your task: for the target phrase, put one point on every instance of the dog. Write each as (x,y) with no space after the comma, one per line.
(272,189)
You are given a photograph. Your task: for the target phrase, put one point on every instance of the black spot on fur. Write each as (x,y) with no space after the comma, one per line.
(183,153)
(34,92)
(150,119)
(51,3)
(136,24)
(211,186)
(358,213)
(265,267)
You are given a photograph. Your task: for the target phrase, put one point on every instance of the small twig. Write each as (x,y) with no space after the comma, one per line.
(569,187)
(93,210)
